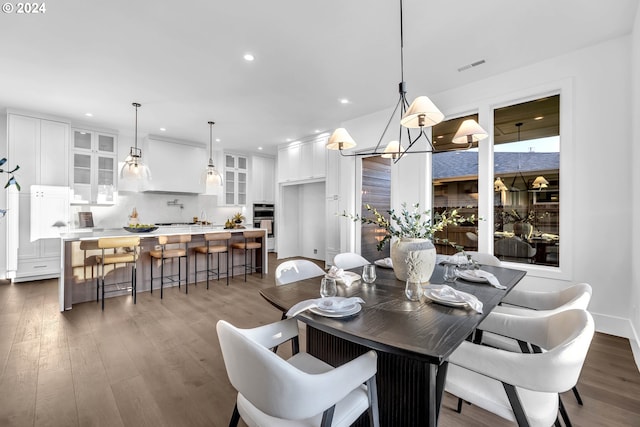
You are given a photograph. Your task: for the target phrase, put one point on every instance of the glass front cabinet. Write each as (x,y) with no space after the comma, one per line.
(94,167)
(235,183)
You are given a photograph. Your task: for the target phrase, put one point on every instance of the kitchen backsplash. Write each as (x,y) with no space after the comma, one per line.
(159,208)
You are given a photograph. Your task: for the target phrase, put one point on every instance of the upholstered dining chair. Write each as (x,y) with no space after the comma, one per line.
(512,248)
(300,391)
(297,269)
(534,304)
(348,260)
(523,387)
(484,258)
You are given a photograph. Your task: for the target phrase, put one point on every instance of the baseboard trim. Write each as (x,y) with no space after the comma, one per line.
(619,327)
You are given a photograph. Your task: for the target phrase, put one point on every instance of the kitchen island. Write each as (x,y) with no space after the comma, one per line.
(77,281)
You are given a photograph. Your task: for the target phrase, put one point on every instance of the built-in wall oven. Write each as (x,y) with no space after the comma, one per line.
(263,216)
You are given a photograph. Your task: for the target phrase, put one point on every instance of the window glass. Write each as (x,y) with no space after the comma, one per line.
(527,182)
(455,185)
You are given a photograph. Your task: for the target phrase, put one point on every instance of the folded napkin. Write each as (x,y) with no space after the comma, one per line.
(481,274)
(329,304)
(447,293)
(458,259)
(339,274)
(385,263)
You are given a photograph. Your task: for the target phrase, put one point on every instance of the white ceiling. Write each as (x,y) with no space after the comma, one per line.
(183,61)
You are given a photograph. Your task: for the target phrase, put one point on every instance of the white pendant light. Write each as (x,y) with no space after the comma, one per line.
(211,177)
(133,168)
(469,132)
(393,150)
(421,113)
(340,140)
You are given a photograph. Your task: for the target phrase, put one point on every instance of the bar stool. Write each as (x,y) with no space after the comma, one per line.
(250,243)
(89,260)
(171,253)
(209,249)
(129,244)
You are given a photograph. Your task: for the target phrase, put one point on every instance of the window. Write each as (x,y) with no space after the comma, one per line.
(455,186)
(527,182)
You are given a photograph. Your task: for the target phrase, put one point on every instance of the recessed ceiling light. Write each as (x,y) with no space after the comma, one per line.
(163,129)
(344,101)
(288,139)
(217,139)
(538,118)
(440,136)
(248,57)
(88,114)
(316,131)
(259,148)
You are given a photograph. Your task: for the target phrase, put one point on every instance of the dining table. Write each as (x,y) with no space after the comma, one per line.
(413,339)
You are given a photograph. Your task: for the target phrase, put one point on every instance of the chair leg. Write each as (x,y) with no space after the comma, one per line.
(563,413)
(134,281)
(577,395)
(372,392)
(516,405)
(162,278)
(459,409)
(151,265)
(103,292)
(327,416)
(235,417)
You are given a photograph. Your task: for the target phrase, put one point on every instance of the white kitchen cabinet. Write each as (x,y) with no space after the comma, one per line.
(303,161)
(94,167)
(263,179)
(236,178)
(40,146)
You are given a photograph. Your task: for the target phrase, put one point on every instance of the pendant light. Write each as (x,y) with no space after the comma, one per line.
(133,167)
(420,115)
(211,177)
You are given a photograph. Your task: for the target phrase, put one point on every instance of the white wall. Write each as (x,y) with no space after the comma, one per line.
(596,143)
(635,159)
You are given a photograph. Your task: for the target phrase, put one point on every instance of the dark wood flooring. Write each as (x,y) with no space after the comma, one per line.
(158,363)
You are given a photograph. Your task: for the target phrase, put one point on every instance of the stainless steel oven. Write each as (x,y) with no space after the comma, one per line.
(264,212)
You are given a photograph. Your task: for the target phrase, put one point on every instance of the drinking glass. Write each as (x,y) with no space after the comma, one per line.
(413,290)
(369,273)
(328,287)
(450,273)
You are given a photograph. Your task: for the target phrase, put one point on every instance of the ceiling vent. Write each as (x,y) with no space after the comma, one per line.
(473,64)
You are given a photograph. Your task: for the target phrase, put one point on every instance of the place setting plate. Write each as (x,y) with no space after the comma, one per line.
(471,276)
(444,300)
(326,307)
(353,277)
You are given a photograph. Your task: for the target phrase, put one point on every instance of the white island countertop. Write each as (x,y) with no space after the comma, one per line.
(97,233)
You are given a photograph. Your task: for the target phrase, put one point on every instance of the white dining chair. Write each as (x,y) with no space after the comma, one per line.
(297,269)
(484,258)
(523,387)
(300,391)
(534,304)
(349,260)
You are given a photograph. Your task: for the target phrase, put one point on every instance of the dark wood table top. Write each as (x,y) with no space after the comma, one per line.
(389,322)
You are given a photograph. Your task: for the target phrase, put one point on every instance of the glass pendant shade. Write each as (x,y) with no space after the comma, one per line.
(340,140)
(393,150)
(468,132)
(133,168)
(211,177)
(421,113)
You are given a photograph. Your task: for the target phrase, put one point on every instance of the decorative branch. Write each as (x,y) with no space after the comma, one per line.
(12,179)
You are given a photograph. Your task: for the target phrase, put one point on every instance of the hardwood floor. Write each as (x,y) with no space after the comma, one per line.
(158,362)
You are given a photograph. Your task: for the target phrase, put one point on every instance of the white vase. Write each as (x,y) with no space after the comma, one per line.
(426,253)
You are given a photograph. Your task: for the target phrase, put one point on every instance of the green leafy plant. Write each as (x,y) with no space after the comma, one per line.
(416,223)
(12,179)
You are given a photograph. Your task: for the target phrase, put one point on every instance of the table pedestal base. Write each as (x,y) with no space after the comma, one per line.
(407,387)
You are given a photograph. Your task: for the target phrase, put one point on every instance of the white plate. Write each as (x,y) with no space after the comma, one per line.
(354,277)
(330,304)
(384,263)
(326,313)
(471,276)
(433,296)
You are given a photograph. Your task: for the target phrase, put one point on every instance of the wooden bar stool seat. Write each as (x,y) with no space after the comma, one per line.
(214,245)
(125,251)
(180,252)
(252,242)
